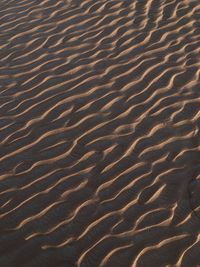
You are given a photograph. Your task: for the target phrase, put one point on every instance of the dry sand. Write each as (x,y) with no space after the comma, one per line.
(99,128)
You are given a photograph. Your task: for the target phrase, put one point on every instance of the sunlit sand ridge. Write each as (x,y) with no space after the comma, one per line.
(99,127)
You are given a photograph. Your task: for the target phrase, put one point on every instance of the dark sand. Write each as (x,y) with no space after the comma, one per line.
(99,133)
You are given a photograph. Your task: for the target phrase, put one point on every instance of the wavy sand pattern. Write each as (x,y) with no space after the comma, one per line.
(99,122)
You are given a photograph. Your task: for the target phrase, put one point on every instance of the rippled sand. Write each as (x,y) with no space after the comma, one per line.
(99,133)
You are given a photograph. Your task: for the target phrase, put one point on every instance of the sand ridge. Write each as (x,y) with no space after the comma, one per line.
(99,127)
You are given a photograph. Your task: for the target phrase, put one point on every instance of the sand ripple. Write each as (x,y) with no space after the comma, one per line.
(99,122)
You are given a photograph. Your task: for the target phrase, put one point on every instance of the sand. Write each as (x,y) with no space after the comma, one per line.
(99,133)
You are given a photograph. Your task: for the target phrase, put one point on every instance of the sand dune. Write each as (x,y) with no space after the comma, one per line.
(99,126)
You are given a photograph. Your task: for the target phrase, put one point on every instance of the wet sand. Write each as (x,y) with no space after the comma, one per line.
(99,133)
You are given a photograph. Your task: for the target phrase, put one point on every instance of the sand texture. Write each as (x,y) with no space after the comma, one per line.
(99,133)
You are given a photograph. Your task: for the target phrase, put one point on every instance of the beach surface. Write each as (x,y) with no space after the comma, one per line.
(99,133)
